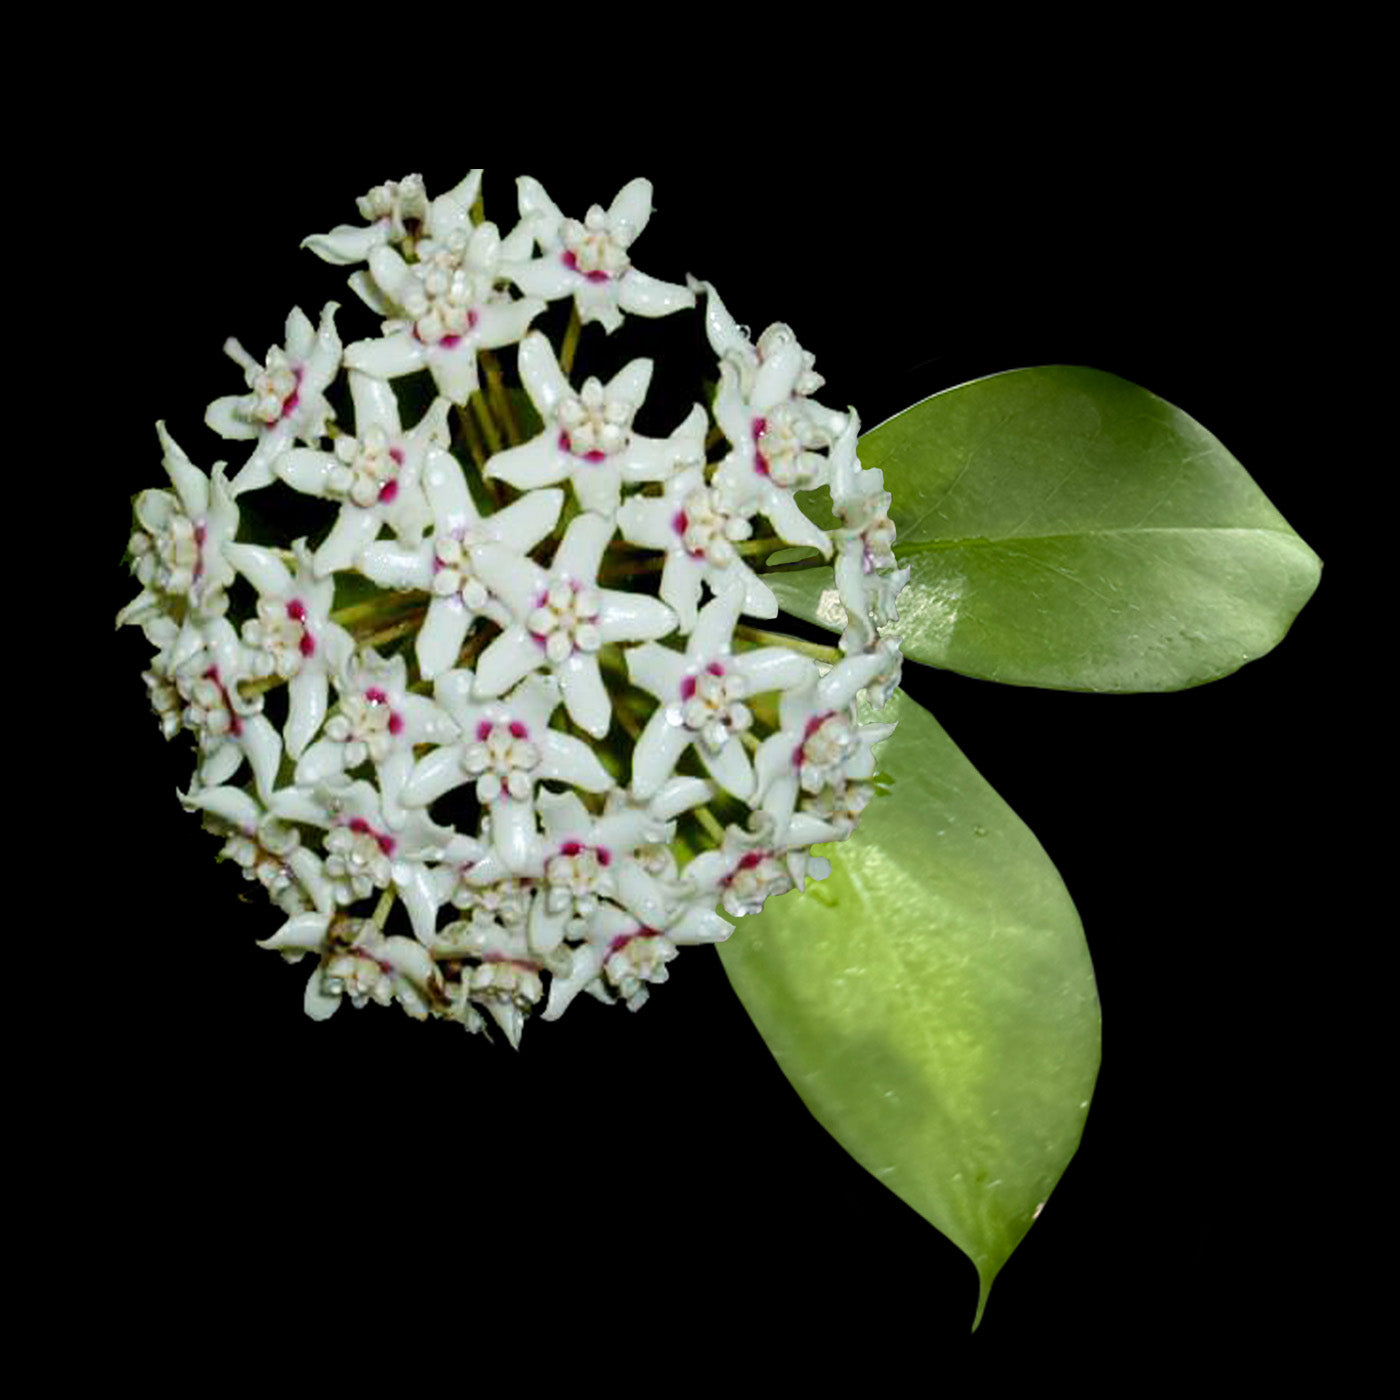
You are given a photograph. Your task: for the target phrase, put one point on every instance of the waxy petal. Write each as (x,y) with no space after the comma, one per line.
(433,775)
(585,696)
(539,462)
(646,296)
(395,566)
(564,759)
(633,617)
(439,641)
(375,404)
(658,749)
(307,699)
(539,370)
(352,531)
(388,357)
(516,581)
(347,244)
(580,552)
(630,211)
(730,768)
(508,659)
(524,523)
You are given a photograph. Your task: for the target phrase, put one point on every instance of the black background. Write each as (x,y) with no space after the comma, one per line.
(649,1184)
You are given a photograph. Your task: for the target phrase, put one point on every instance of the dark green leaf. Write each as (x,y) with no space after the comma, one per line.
(1065,528)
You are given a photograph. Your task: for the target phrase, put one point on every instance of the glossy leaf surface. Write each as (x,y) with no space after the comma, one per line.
(1068,529)
(932,1001)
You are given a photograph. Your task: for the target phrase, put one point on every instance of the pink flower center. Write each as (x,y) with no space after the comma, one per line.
(565,445)
(813,724)
(294,398)
(570,260)
(623,939)
(577,848)
(760,462)
(688,684)
(296,610)
(384,841)
(376,696)
(235,726)
(390,489)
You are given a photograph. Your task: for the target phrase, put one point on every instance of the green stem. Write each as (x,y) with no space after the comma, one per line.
(394,631)
(792,566)
(760,546)
(377,610)
(478,405)
(759,637)
(500,400)
(710,822)
(475,446)
(570,345)
(381,911)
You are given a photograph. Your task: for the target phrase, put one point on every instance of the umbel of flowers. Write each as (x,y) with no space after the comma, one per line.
(507,725)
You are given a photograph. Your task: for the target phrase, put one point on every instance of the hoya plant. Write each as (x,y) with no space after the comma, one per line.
(508,672)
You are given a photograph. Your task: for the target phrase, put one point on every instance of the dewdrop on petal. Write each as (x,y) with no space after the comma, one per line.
(515,719)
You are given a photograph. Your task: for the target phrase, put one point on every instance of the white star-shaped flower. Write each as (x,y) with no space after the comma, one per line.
(582,860)
(286,398)
(366,853)
(268,848)
(561,619)
(702,693)
(698,530)
(378,721)
(177,553)
(504,978)
(864,543)
(444,563)
(505,749)
(445,308)
(292,635)
(590,260)
(777,433)
(755,864)
(358,960)
(391,212)
(820,742)
(627,940)
(376,475)
(588,437)
(227,725)
(772,371)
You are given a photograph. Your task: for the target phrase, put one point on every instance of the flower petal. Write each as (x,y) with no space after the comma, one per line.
(647,296)
(564,759)
(585,696)
(730,768)
(388,357)
(658,748)
(580,552)
(633,617)
(508,659)
(524,523)
(538,462)
(440,638)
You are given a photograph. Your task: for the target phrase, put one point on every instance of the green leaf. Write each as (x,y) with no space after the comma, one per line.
(1065,528)
(932,1001)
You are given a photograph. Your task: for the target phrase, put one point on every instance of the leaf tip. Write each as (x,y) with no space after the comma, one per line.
(984,1287)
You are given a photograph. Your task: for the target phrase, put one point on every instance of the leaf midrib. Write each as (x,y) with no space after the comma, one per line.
(972,541)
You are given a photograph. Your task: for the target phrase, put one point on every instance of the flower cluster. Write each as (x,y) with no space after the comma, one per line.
(506,727)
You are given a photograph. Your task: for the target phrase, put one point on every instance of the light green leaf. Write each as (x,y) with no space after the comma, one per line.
(1065,528)
(933,1001)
